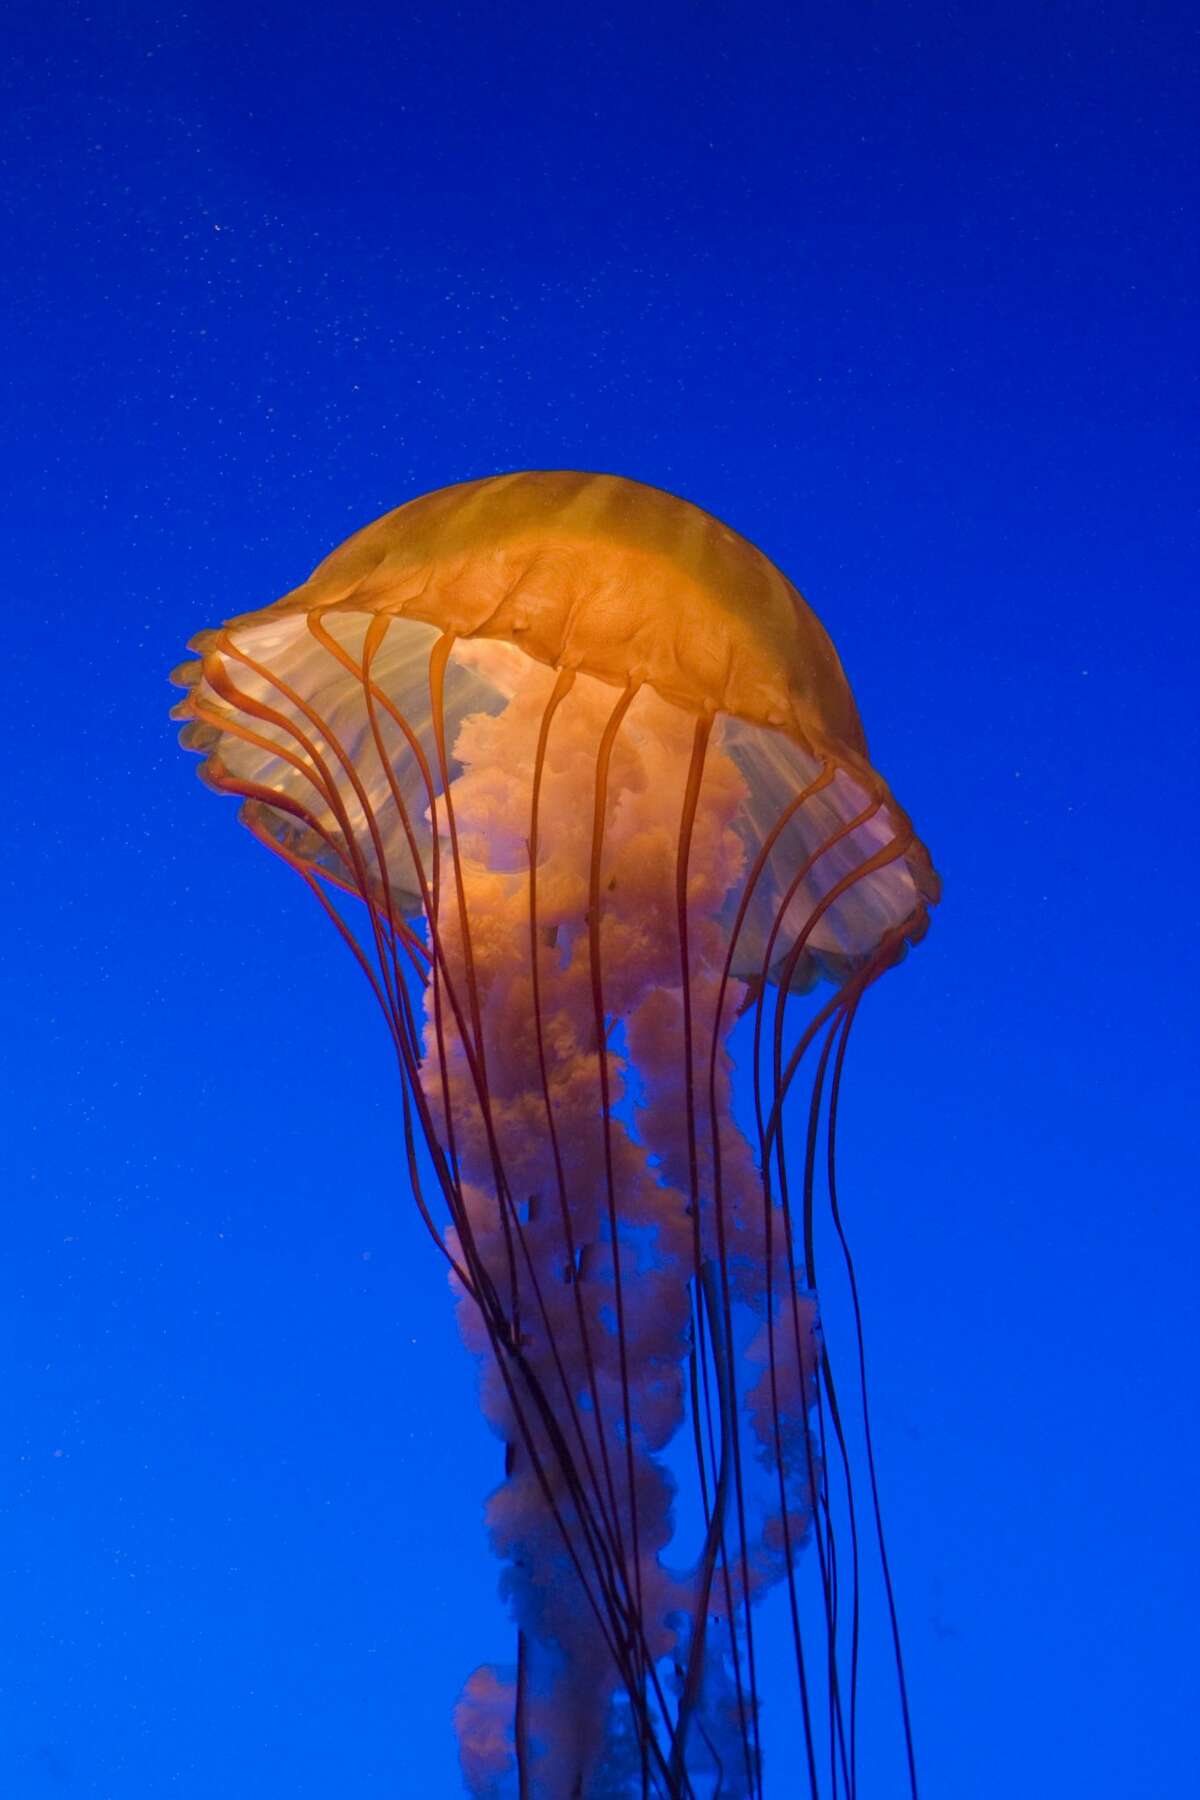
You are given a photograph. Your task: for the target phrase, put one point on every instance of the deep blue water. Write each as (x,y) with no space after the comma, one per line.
(905,293)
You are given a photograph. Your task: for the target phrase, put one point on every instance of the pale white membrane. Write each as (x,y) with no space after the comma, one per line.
(335,721)
(359,780)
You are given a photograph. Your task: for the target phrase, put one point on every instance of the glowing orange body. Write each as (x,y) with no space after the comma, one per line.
(593,766)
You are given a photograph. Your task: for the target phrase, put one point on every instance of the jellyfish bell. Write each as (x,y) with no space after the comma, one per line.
(592,767)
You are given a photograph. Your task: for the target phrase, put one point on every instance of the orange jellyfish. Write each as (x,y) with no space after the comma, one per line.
(576,774)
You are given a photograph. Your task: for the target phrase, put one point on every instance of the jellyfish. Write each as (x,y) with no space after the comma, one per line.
(576,775)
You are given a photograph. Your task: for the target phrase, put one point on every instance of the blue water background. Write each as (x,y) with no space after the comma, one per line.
(905,293)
